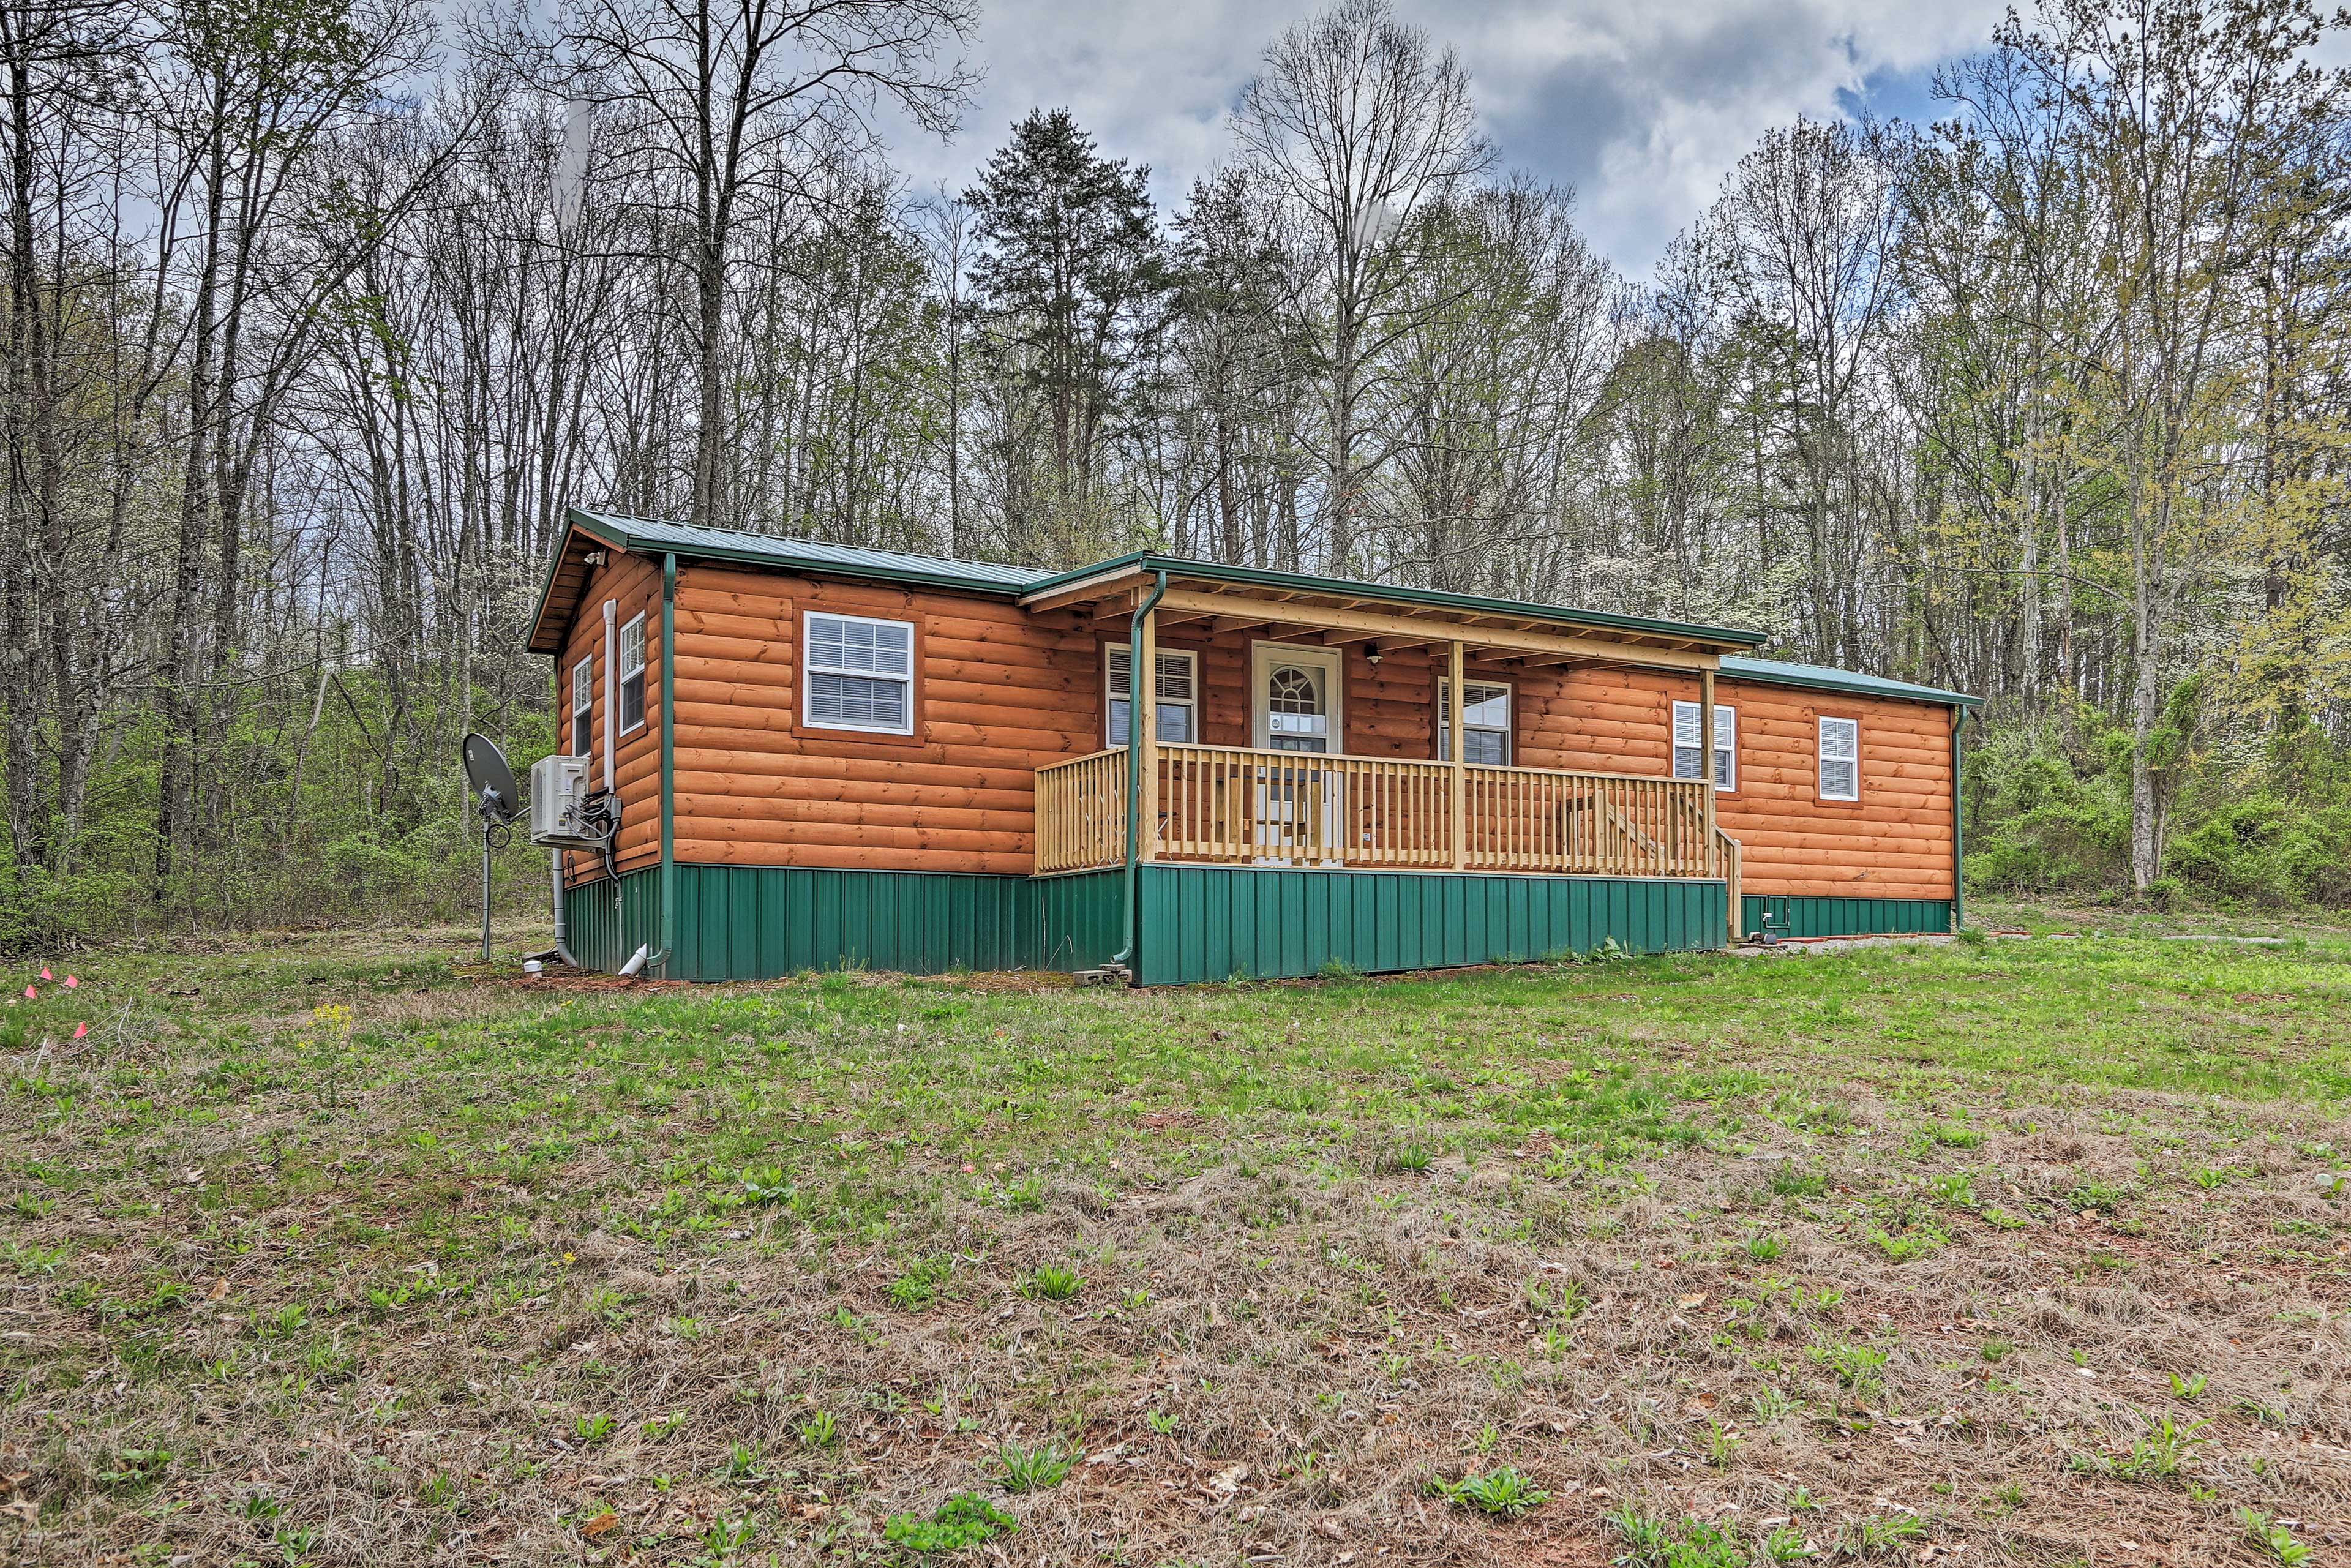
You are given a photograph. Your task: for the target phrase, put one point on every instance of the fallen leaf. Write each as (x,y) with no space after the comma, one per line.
(220,1289)
(601,1523)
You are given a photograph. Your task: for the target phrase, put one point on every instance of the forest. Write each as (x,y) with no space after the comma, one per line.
(319,313)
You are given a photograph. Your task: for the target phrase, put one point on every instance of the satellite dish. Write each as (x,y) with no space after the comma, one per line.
(491,780)
(499,803)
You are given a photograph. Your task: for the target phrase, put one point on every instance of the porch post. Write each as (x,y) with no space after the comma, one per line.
(1706,765)
(1142,710)
(1453,727)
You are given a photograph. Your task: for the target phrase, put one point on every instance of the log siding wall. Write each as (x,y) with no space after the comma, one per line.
(634,584)
(998,694)
(1001,692)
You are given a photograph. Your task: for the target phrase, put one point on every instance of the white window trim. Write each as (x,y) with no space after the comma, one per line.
(622,672)
(1822,758)
(585,665)
(1726,745)
(1265,657)
(811,669)
(1506,729)
(1109,693)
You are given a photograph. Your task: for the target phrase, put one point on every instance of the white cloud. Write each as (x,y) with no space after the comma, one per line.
(1642,105)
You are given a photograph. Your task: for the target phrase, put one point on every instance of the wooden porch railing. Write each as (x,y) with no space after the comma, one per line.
(1235,805)
(1082,813)
(1231,803)
(1604,824)
(1728,856)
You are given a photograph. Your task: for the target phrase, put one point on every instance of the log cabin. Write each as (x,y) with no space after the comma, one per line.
(828,756)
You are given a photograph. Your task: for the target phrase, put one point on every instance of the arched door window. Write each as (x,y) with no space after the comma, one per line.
(1297,710)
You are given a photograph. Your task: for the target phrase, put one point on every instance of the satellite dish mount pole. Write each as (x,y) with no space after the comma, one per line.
(499,802)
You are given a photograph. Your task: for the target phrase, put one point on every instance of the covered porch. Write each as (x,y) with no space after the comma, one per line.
(1240,805)
(1421,784)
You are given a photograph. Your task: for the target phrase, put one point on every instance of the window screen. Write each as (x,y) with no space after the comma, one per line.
(1485,723)
(1840,759)
(583,706)
(1687,761)
(1177,694)
(860,674)
(632,674)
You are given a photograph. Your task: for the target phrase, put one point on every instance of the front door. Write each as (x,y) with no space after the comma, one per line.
(1294,706)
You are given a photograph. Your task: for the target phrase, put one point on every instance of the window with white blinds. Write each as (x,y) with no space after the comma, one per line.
(1177,694)
(1688,763)
(633,675)
(583,706)
(1840,759)
(859,674)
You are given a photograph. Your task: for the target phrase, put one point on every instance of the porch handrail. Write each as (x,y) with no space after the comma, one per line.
(1582,822)
(1082,813)
(1731,871)
(1238,803)
(1241,805)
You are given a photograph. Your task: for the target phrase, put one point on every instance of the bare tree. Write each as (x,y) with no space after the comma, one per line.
(1360,121)
(740,99)
(1803,228)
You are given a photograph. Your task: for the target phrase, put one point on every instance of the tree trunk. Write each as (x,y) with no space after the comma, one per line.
(173,802)
(34,471)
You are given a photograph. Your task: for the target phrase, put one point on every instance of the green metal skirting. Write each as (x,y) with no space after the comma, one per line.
(1214,923)
(747,922)
(1803,915)
(600,935)
(1199,923)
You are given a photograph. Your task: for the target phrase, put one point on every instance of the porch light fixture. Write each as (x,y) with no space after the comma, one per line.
(1372,655)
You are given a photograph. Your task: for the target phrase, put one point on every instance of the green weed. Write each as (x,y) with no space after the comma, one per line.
(1037,1468)
(964,1519)
(1051,1283)
(1504,1492)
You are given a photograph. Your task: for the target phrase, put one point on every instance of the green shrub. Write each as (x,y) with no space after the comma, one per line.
(2048,811)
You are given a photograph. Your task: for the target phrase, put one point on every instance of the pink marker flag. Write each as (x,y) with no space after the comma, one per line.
(30,992)
(45,972)
(71,982)
(81,1030)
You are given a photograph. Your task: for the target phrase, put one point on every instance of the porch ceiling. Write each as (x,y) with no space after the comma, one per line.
(1393,618)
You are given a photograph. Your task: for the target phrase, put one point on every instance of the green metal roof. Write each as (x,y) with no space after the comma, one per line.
(1821,678)
(649,535)
(1218,571)
(646,535)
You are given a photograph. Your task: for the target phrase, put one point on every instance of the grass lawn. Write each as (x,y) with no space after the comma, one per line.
(325,1250)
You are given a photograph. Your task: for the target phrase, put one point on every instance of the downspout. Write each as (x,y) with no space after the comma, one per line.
(1135,675)
(667,929)
(1959,824)
(562,945)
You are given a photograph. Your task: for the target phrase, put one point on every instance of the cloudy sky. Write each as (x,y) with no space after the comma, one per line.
(1641,105)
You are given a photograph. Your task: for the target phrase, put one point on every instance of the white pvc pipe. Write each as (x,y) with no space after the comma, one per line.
(612,693)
